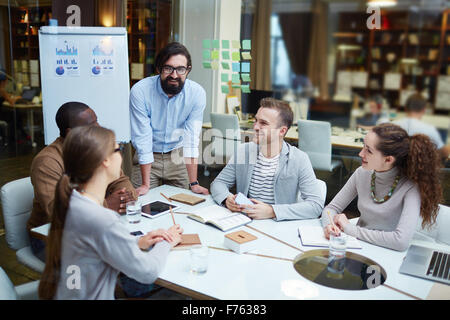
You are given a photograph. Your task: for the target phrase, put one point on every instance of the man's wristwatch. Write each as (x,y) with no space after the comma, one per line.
(193,183)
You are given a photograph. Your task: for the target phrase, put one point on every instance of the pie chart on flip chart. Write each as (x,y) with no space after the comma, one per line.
(96,70)
(60,70)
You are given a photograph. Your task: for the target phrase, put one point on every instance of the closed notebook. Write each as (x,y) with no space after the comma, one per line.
(187,241)
(314,236)
(186,198)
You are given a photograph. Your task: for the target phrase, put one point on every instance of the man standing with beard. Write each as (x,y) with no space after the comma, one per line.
(166,120)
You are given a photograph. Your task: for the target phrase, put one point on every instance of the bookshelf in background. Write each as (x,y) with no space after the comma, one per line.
(25,24)
(148,26)
(409,53)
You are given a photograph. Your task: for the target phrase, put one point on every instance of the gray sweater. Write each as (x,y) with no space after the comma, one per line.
(390,224)
(96,244)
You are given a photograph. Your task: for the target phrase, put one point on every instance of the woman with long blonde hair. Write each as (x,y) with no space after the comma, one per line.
(88,244)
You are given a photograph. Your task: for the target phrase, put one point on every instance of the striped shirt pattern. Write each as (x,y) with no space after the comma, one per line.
(261,184)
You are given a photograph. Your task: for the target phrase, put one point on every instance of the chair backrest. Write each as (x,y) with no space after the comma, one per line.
(17,202)
(314,138)
(226,134)
(440,230)
(7,290)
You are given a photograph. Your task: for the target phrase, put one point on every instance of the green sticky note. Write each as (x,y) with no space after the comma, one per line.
(226,44)
(245,88)
(224,77)
(235,44)
(226,65)
(206,44)
(214,64)
(225,89)
(216,44)
(207,64)
(246,55)
(245,77)
(235,78)
(225,55)
(235,56)
(206,55)
(246,44)
(236,86)
(215,55)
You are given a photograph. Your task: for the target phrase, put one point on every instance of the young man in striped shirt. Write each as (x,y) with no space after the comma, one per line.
(277,177)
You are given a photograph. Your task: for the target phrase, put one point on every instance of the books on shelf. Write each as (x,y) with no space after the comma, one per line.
(413,39)
(220,217)
(433,54)
(313,236)
(376,53)
(392,81)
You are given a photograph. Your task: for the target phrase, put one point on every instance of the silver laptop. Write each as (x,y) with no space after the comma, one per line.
(427,263)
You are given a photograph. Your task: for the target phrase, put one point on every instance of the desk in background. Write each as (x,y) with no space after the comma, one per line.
(268,271)
(29,108)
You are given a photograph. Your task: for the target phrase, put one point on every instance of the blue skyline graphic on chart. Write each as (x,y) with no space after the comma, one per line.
(67,50)
(98,51)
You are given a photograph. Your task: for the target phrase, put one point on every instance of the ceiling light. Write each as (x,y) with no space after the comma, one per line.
(381,3)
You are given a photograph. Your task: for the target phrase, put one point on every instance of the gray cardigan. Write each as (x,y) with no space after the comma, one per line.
(297,192)
(96,245)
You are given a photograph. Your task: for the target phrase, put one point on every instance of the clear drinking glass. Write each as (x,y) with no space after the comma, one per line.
(199,259)
(336,256)
(134,211)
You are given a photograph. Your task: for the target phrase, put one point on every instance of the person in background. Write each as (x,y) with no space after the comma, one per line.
(376,114)
(277,177)
(166,114)
(4,95)
(47,169)
(87,237)
(397,183)
(415,109)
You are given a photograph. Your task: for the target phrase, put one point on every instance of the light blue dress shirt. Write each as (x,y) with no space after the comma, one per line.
(162,124)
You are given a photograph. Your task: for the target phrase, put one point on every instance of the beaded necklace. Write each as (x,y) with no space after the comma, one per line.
(386,197)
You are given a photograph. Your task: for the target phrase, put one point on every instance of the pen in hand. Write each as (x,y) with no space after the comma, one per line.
(335,229)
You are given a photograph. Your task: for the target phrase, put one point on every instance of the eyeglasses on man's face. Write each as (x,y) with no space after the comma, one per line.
(169,69)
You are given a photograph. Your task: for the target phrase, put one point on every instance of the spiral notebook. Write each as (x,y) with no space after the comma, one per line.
(313,236)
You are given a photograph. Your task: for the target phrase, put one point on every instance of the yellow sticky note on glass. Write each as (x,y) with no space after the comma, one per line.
(235,56)
(246,44)
(235,78)
(226,44)
(215,55)
(214,64)
(225,55)
(245,77)
(235,44)
(207,64)
(245,88)
(246,55)
(224,77)
(226,65)
(225,89)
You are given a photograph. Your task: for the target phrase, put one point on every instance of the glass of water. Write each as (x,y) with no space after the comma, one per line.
(134,211)
(199,259)
(336,255)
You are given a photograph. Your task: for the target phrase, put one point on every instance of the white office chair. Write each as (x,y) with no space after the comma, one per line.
(314,138)
(439,232)
(27,291)
(17,202)
(226,136)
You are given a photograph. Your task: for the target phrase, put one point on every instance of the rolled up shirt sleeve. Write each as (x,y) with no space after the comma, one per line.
(141,130)
(193,126)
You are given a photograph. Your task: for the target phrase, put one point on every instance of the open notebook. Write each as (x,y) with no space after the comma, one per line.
(313,236)
(220,217)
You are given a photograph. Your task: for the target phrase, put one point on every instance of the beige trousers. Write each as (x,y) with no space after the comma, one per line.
(169,169)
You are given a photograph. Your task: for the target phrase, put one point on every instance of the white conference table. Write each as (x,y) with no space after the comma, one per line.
(268,271)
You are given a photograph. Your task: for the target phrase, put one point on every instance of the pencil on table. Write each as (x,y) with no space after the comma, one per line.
(165,197)
(173,218)
(331,220)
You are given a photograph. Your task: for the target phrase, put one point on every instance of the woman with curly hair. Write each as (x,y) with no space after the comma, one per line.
(397,182)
